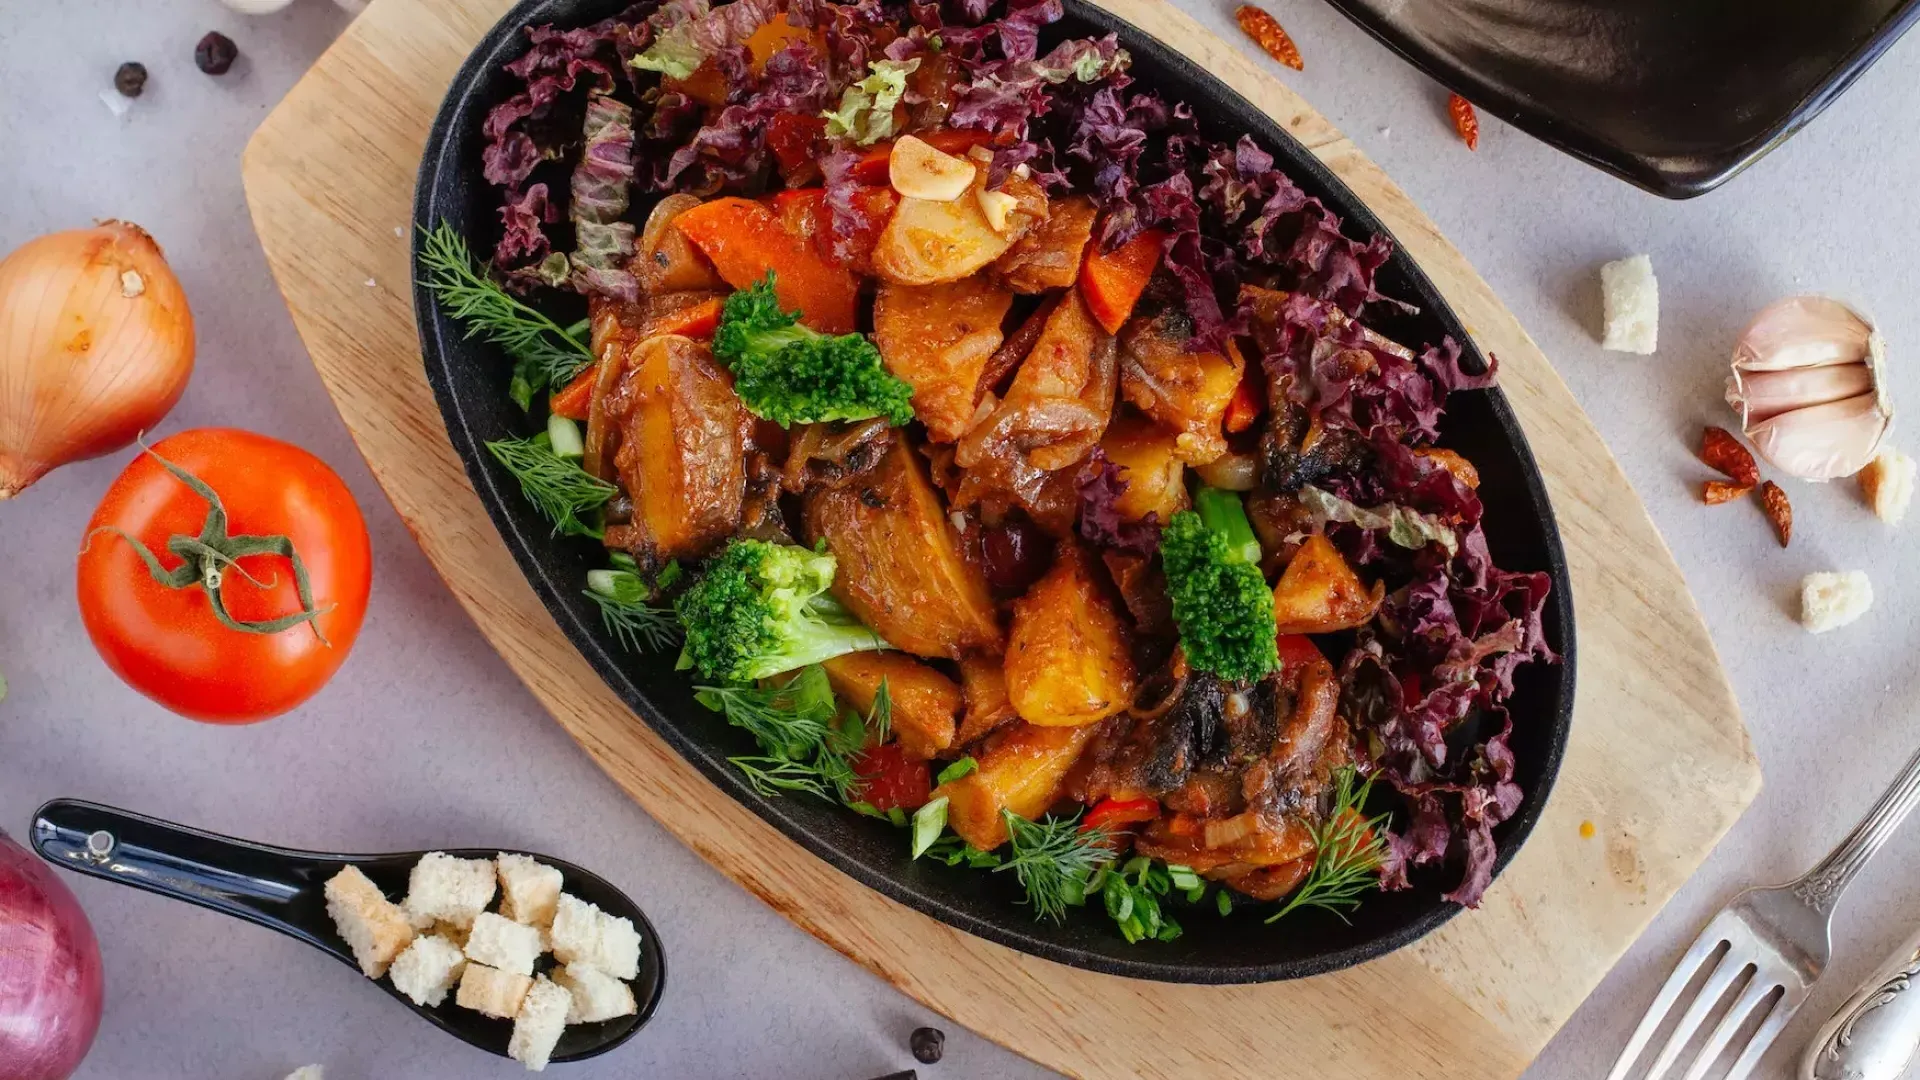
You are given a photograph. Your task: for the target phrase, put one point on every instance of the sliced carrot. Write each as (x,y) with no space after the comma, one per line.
(1112,281)
(872,168)
(707,85)
(800,211)
(1243,408)
(744,239)
(694,321)
(574,400)
(774,36)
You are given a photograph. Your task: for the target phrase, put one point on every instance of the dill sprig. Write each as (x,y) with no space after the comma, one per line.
(1348,851)
(545,354)
(627,608)
(1054,860)
(807,744)
(558,487)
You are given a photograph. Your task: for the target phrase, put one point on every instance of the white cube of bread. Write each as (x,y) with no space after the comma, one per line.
(538,1025)
(1630,295)
(502,943)
(373,927)
(583,934)
(1887,483)
(529,889)
(455,934)
(308,1072)
(427,970)
(1833,600)
(597,995)
(445,889)
(492,992)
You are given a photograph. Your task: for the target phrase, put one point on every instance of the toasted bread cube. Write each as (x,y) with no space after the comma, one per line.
(597,995)
(1887,483)
(583,934)
(455,934)
(445,889)
(538,1025)
(307,1072)
(492,992)
(529,889)
(427,969)
(1833,600)
(500,942)
(375,928)
(1630,295)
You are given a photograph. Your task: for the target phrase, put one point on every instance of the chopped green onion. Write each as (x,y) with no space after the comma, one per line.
(1224,902)
(956,770)
(897,815)
(564,435)
(928,823)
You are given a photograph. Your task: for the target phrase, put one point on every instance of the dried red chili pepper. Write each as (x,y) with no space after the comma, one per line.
(1723,491)
(1720,450)
(1779,511)
(1266,32)
(1465,120)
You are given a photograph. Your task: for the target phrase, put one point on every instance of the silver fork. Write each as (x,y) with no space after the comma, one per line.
(1782,935)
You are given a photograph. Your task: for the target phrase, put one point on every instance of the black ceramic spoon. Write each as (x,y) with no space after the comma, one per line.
(281,889)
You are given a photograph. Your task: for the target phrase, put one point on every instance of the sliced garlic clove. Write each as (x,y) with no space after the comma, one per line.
(918,170)
(997,205)
(1762,395)
(1803,332)
(1823,442)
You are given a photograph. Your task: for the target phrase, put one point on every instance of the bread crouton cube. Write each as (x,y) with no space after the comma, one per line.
(1630,295)
(1887,483)
(445,889)
(597,995)
(1833,600)
(583,934)
(538,1025)
(529,889)
(492,992)
(308,1072)
(427,969)
(502,943)
(373,927)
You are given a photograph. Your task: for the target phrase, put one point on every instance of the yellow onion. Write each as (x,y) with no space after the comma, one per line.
(96,344)
(1808,380)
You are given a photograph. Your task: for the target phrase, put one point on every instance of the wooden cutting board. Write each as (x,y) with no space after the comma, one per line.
(1659,761)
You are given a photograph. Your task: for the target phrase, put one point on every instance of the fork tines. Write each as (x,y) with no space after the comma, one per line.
(1731,955)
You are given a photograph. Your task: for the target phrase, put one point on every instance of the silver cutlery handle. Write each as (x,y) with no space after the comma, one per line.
(1821,887)
(1876,1034)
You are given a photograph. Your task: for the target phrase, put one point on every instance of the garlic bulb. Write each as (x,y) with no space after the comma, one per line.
(1808,381)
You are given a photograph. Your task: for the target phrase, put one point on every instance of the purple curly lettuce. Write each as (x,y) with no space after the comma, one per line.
(688,33)
(730,153)
(602,181)
(1003,96)
(1100,486)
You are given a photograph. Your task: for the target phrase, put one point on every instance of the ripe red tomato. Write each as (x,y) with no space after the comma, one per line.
(168,643)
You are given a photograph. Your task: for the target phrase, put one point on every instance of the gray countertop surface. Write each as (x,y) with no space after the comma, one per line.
(426,739)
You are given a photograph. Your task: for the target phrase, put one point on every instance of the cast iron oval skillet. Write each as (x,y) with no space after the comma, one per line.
(282,889)
(470,381)
(1676,96)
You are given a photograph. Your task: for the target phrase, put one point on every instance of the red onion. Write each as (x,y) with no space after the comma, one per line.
(50,984)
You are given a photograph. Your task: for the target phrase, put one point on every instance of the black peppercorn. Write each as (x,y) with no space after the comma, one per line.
(130,79)
(927,1044)
(215,53)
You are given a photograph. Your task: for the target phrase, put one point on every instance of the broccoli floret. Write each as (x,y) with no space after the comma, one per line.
(1221,602)
(761,609)
(789,374)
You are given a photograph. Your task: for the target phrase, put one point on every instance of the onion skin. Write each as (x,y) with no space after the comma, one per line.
(50,980)
(96,345)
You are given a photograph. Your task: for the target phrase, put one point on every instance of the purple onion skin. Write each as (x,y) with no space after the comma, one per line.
(50,980)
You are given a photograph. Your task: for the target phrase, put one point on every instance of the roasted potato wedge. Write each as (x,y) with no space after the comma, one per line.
(682,453)
(901,570)
(665,261)
(938,338)
(1150,464)
(983,684)
(1049,256)
(1185,391)
(928,242)
(1319,593)
(1068,657)
(1024,772)
(926,704)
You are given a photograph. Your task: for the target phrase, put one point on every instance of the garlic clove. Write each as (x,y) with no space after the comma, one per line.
(1822,442)
(1762,395)
(1803,332)
(918,170)
(997,205)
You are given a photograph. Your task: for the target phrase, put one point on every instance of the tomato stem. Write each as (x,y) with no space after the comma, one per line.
(204,560)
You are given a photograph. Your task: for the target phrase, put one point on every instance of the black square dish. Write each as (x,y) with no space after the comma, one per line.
(1675,96)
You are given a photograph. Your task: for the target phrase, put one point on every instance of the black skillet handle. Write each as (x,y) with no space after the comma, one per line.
(273,887)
